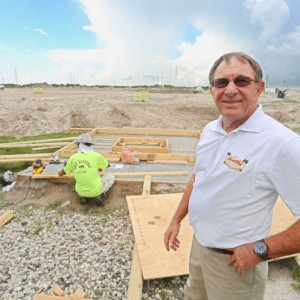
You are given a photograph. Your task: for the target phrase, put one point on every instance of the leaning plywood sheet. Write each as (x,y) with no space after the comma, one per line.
(282,218)
(150,216)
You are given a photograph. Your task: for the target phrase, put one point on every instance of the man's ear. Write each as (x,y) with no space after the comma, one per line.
(260,87)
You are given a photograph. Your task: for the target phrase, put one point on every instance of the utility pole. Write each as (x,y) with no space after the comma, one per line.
(175,78)
(16,76)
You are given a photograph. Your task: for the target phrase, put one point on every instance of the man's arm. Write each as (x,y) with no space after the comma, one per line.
(286,242)
(170,239)
(282,244)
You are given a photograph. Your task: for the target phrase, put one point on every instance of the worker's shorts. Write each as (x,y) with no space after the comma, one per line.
(107,182)
(210,277)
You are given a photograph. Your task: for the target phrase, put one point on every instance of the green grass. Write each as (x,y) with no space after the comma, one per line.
(296,276)
(16,167)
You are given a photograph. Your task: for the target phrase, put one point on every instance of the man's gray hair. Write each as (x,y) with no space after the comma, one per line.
(243,57)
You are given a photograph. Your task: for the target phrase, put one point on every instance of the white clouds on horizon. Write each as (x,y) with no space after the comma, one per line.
(143,42)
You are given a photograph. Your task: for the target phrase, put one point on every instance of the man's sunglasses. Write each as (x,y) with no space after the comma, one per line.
(240,81)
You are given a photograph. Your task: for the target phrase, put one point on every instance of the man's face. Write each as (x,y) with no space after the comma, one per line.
(236,104)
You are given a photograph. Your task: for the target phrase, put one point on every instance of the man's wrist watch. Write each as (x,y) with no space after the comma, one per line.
(261,249)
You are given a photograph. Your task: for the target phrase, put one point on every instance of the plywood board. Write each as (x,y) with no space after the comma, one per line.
(282,218)
(150,217)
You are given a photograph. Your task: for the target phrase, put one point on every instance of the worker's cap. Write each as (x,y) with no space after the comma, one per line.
(85,138)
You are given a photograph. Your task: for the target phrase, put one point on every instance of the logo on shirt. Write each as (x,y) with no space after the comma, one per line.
(234,163)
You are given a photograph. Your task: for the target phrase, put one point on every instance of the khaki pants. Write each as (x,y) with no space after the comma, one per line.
(210,277)
(107,182)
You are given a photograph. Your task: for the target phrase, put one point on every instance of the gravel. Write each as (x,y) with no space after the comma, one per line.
(41,247)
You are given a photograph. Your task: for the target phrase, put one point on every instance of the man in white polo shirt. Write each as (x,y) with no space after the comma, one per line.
(244,160)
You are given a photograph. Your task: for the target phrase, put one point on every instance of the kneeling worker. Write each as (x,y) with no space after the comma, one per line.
(85,165)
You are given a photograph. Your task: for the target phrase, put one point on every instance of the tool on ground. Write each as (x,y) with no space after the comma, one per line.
(38,166)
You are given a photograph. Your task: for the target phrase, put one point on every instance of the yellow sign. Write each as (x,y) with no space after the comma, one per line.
(140,96)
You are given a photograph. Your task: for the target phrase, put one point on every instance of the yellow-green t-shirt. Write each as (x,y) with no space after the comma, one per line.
(85,167)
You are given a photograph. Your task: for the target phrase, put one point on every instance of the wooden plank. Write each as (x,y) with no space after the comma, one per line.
(36,156)
(118,175)
(140,131)
(142,156)
(41,141)
(57,290)
(150,216)
(147,185)
(5,146)
(136,277)
(4,218)
(170,162)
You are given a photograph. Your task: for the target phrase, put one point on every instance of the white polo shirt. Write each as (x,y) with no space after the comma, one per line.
(238,178)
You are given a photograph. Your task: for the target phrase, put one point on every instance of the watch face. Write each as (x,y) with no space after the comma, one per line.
(260,248)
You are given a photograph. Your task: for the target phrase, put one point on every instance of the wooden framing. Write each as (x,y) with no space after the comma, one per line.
(146,153)
(117,175)
(145,145)
(139,131)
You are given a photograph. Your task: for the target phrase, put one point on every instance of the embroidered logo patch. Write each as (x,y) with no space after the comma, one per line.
(234,163)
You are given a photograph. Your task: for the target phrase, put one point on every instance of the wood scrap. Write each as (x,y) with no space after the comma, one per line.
(4,218)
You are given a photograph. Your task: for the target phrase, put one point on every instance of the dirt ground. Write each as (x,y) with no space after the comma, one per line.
(56,110)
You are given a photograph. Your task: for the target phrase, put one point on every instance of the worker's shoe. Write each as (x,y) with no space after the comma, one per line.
(83,201)
(99,200)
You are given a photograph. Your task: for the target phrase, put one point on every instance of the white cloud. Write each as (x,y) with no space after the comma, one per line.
(144,43)
(40,31)
(272,15)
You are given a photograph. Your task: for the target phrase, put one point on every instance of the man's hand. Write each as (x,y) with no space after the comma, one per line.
(61,172)
(171,241)
(243,258)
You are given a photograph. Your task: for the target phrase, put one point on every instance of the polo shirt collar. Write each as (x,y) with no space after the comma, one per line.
(253,124)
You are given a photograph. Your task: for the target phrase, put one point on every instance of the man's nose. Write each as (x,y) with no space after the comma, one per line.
(231,88)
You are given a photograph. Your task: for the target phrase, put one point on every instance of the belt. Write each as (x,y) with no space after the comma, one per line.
(223,251)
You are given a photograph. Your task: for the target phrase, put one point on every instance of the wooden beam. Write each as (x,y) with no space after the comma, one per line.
(12,146)
(4,218)
(147,185)
(42,141)
(140,131)
(24,157)
(136,277)
(36,156)
(118,175)
(170,162)
(142,156)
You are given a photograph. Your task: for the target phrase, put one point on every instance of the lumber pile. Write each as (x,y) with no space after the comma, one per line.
(59,295)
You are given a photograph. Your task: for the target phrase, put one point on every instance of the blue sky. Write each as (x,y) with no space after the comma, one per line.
(117,42)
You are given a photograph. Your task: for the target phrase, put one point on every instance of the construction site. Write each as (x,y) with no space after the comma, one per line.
(150,143)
